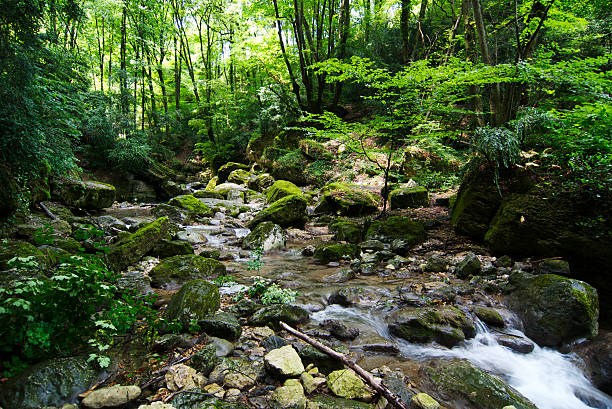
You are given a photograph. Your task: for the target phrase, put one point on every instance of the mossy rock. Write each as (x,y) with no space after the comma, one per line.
(12,249)
(266,236)
(554,309)
(324,363)
(208,194)
(204,360)
(202,400)
(348,200)
(176,214)
(131,248)
(225,170)
(69,244)
(416,160)
(191,204)
(261,182)
(345,230)
(90,195)
(315,150)
(290,165)
(397,227)
(461,381)
(280,189)
(273,314)
(176,270)
(221,325)
(446,325)
(489,316)
(409,197)
(239,176)
(193,302)
(332,402)
(286,212)
(169,248)
(327,252)
(212,183)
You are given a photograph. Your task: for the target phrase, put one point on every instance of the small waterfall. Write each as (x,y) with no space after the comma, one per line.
(548,378)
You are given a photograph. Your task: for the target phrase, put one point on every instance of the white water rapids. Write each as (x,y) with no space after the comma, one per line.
(548,378)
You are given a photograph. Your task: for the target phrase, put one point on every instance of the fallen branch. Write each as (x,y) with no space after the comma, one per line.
(47,211)
(391,397)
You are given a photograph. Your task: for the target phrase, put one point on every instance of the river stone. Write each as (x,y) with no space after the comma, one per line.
(223,347)
(424,401)
(221,324)
(110,222)
(517,344)
(325,363)
(266,236)
(168,342)
(284,362)
(131,248)
(90,195)
(204,360)
(554,309)
(468,266)
(239,176)
(191,204)
(156,405)
(346,231)
(169,248)
(202,400)
(340,276)
(311,383)
(173,213)
(289,396)
(194,301)
(225,170)
(408,197)
(272,314)
(326,252)
(446,325)
(489,316)
(559,267)
(435,264)
(174,271)
(181,376)
(340,330)
(332,402)
(459,380)
(397,228)
(273,342)
(286,212)
(347,200)
(112,396)
(260,182)
(280,189)
(345,383)
(48,383)
(597,355)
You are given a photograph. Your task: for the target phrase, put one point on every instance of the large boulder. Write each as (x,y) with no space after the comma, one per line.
(131,248)
(23,249)
(445,324)
(462,385)
(175,214)
(345,230)
(327,252)
(194,302)
(90,195)
(408,197)
(239,176)
(168,248)
(225,170)
(280,189)
(222,325)
(260,182)
(49,383)
(266,236)
(554,309)
(191,204)
(288,211)
(284,362)
(112,396)
(271,315)
(397,228)
(174,271)
(597,355)
(347,200)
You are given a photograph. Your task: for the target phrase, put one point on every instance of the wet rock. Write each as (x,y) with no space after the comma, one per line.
(280,189)
(460,381)
(325,363)
(204,360)
(191,204)
(260,182)
(284,362)
(332,402)
(174,271)
(445,324)
(202,401)
(346,384)
(347,200)
(346,231)
(225,170)
(112,396)
(239,176)
(470,265)
(327,252)
(311,383)
(308,251)
(398,261)
(170,248)
(130,249)
(181,376)
(208,194)
(273,342)
(435,264)
(339,330)
(223,325)
(90,195)
(267,236)
(168,342)
(597,355)
(397,228)
(559,267)
(173,213)
(271,315)
(554,309)
(49,383)
(289,396)
(408,197)
(340,276)
(288,211)
(134,281)
(424,401)
(517,344)
(192,235)
(195,300)
(489,316)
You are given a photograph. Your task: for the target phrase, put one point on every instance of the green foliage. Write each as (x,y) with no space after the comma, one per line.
(255,263)
(269,292)
(131,154)
(224,280)
(499,146)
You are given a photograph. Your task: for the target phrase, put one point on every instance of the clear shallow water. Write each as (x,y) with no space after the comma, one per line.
(548,378)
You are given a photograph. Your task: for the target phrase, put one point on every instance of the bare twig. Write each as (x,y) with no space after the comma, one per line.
(48,212)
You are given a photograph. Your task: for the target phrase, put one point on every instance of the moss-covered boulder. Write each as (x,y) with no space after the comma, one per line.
(174,271)
(408,197)
(554,309)
(397,228)
(175,214)
(289,396)
(489,316)
(288,211)
(239,176)
(260,182)
(345,230)
(460,381)
(280,189)
(208,194)
(266,236)
(221,325)
(194,302)
(446,325)
(169,248)
(346,384)
(204,360)
(201,400)
(332,402)
(315,150)
(272,314)
(13,249)
(327,252)
(347,200)
(132,247)
(225,170)
(191,204)
(89,195)
(49,383)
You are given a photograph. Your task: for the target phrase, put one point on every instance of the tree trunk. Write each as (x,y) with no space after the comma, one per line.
(469,36)
(345,24)
(123,73)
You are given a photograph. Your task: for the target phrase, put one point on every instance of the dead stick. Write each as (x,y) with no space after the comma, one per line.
(47,211)
(392,398)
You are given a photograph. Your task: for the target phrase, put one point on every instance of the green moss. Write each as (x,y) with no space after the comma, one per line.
(331,402)
(20,249)
(192,204)
(194,301)
(288,211)
(179,269)
(315,150)
(409,197)
(327,252)
(397,227)
(346,231)
(225,170)
(84,194)
(204,194)
(280,189)
(349,200)
(239,176)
